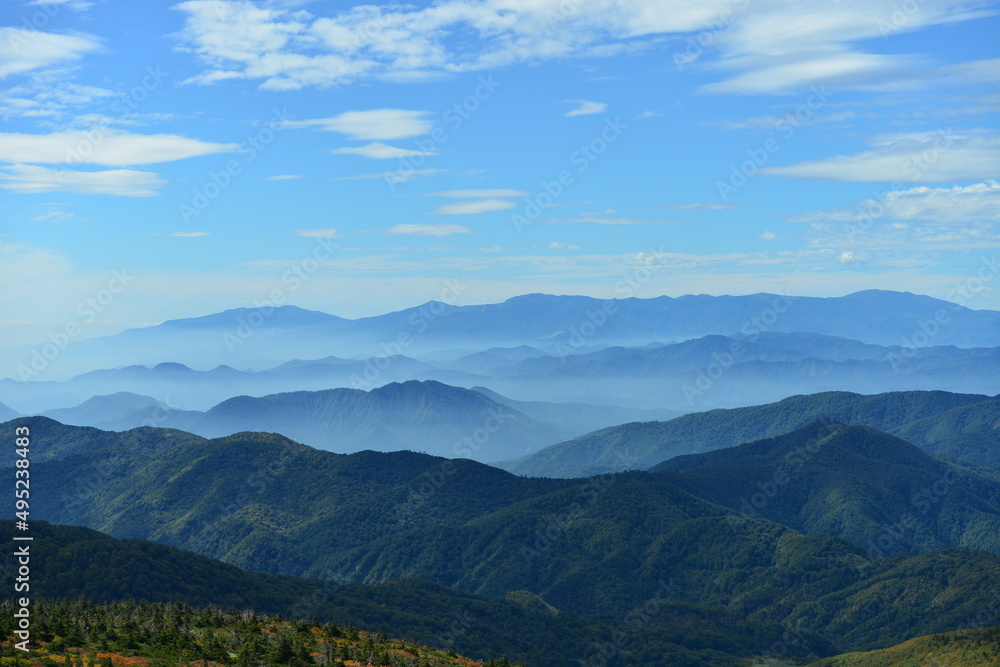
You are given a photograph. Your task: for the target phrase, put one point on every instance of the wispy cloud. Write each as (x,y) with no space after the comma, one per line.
(773,122)
(707,206)
(189,235)
(42,98)
(288,50)
(585,108)
(75,5)
(428,230)
(373,125)
(960,204)
(480,194)
(284,177)
(53,213)
(930,157)
(473,207)
(380,151)
(399,176)
(23,50)
(119,182)
(766,48)
(614,219)
(772,50)
(318,233)
(104,147)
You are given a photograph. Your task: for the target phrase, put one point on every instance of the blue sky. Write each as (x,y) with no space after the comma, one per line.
(361,159)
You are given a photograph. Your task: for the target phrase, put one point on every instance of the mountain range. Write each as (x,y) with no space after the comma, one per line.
(733,481)
(261,337)
(595,546)
(420,416)
(654,379)
(963,426)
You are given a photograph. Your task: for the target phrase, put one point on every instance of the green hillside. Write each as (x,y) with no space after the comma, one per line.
(641,445)
(853,482)
(80,633)
(72,562)
(261,501)
(968,432)
(576,557)
(965,648)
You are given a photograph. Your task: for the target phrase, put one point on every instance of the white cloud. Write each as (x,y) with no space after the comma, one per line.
(284,177)
(38,97)
(556,245)
(480,194)
(53,213)
(908,158)
(287,50)
(379,151)
(613,219)
(120,182)
(907,225)
(783,47)
(103,146)
(762,47)
(975,71)
(398,176)
(773,122)
(428,230)
(585,108)
(23,50)
(473,207)
(373,125)
(318,233)
(782,74)
(75,5)
(767,235)
(979,202)
(708,206)
(189,235)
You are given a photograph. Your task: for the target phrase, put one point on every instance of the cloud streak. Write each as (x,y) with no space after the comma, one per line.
(474,207)
(379,151)
(585,108)
(934,157)
(119,182)
(104,147)
(428,230)
(763,48)
(373,125)
(23,50)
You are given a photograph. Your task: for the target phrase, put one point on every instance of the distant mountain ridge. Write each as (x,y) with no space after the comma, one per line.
(421,416)
(256,336)
(109,412)
(697,374)
(7,413)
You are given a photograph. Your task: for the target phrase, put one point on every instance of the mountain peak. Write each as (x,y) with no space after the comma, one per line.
(171,367)
(878,445)
(280,316)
